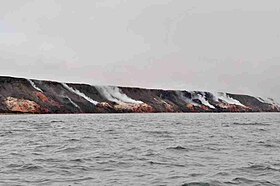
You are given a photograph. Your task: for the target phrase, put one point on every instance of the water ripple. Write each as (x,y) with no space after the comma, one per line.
(137,149)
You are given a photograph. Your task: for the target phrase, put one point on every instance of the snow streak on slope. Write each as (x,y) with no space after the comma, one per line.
(33,85)
(79,93)
(204,101)
(224,97)
(187,100)
(72,102)
(268,101)
(114,94)
(202,98)
(260,99)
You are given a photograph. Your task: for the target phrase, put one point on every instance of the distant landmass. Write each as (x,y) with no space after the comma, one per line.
(19,95)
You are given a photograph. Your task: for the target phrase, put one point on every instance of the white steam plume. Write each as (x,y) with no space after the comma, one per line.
(114,94)
(79,93)
(33,85)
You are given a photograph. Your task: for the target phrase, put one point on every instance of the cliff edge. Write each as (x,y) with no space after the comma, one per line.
(19,95)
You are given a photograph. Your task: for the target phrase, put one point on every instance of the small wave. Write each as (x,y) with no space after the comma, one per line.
(77,160)
(70,149)
(166,164)
(276,164)
(241,180)
(82,179)
(5,133)
(73,139)
(177,148)
(151,153)
(195,175)
(132,149)
(49,160)
(269,145)
(196,184)
(12,165)
(22,121)
(108,170)
(258,167)
(28,167)
(222,174)
(75,181)
(56,121)
(16,154)
(252,124)
(110,130)
(157,132)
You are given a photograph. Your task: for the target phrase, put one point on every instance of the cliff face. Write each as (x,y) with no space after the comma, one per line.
(18,95)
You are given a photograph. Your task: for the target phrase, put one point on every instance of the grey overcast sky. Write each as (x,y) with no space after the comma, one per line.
(214,45)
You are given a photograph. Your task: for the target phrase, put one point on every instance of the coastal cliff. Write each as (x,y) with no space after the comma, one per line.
(19,95)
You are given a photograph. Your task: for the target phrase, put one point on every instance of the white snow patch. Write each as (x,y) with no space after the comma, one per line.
(202,98)
(187,100)
(260,99)
(204,101)
(268,101)
(224,97)
(73,103)
(114,94)
(33,85)
(79,93)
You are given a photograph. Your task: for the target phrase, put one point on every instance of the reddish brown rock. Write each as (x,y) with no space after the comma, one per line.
(140,108)
(22,105)
(47,100)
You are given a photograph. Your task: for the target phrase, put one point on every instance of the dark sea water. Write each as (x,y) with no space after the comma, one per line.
(140,149)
